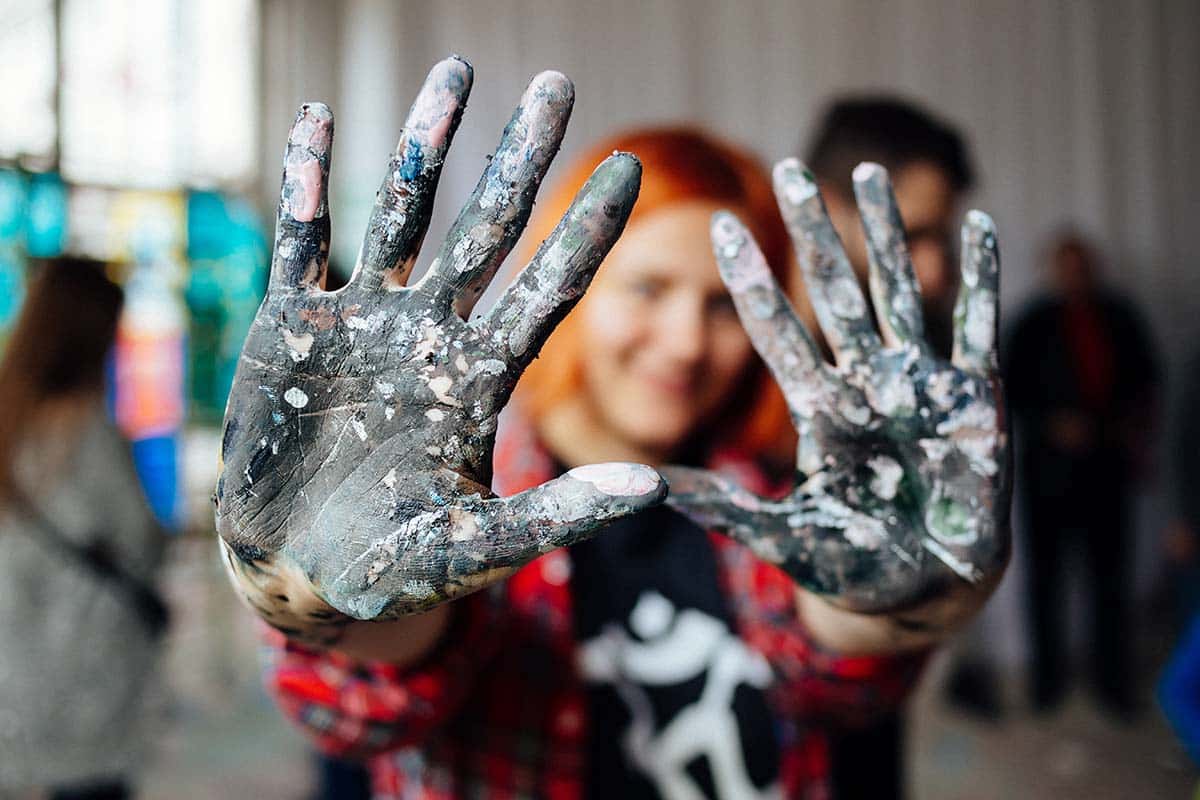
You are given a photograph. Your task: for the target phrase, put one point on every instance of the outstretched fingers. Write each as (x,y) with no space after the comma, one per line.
(490,223)
(832,286)
(302,225)
(766,314)
(977,312)
(404,202)
(556,278)
(894,289)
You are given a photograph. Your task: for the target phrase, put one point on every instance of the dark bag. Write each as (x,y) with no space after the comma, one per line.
(98,560)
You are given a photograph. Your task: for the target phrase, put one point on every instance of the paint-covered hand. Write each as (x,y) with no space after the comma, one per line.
(902,458)
(357,450)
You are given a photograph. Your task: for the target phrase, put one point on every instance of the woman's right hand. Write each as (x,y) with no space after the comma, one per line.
(356,457)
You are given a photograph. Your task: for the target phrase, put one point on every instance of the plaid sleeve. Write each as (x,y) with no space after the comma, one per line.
(358,709)
(847,691)
(811,682)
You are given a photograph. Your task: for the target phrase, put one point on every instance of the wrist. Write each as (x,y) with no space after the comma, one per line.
(280,594)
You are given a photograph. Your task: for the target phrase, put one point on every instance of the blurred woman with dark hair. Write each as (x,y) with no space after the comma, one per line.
(79,623)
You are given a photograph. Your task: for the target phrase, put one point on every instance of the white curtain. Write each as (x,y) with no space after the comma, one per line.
(1081,113)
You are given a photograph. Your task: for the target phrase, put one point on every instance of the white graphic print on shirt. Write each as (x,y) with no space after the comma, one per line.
(678,646)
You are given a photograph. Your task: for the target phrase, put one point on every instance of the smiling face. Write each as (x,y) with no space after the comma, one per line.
(664,347)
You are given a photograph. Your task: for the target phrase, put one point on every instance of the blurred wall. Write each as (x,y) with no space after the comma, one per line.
(1082,112)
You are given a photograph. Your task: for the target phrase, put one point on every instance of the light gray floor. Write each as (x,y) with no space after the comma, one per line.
(222,738)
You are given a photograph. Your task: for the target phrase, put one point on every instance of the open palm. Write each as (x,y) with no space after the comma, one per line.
(902,465)
(358,438)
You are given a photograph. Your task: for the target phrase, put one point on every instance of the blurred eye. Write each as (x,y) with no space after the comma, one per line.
(722,306)
(645,288)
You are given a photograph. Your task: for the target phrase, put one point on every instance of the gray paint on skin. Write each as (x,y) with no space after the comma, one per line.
(902,480)
(358,437)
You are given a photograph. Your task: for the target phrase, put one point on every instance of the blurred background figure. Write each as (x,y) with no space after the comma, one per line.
(931,171)
(1082,381)
(79,549)
(1182,543)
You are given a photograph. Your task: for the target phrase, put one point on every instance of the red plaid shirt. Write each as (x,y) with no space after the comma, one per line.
(499,711)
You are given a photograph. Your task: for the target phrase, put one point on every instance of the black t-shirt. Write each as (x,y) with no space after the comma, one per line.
(676,701)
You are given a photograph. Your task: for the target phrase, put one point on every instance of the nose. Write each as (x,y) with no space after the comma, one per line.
(682,332)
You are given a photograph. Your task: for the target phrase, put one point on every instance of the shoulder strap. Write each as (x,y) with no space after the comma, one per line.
(97,559)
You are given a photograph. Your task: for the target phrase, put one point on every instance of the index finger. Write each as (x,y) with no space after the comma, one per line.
(766,314)
(829,279)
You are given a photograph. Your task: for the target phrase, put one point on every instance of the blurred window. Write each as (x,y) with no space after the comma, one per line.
(27,72)
(158,93)
(153,93)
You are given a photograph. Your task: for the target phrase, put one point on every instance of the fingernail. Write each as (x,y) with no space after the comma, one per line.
(794,181)
(981,224)
(439,101)
(303,171)
(619,479)
(869,171)
(554,85)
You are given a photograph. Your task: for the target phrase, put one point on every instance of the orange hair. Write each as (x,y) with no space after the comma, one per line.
(679,164)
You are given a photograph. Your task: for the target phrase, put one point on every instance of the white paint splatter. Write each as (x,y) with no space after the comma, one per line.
(299,345)
(371,324)
(893,395)
(864,532)
(980,324)
(464,526)
(295,397)
(487,366)
(886,480)
(440,386)
(975,417)
(853,412)
(845,298)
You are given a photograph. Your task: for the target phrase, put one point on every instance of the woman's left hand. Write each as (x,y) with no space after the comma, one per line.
(902,464)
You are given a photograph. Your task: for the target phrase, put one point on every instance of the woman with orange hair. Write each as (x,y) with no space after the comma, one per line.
(653,660)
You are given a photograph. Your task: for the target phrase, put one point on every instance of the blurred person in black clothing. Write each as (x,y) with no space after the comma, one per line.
(931,171)
(1183,534)
(1081,377)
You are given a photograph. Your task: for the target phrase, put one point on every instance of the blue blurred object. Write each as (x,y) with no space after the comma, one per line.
(227,252)
(155,460)
(13,192)
(12,205)
(1179,689)
(150,377)
(46,216)
(12,287)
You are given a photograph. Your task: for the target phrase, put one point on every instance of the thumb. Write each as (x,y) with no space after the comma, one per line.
(717,503)
(570,508)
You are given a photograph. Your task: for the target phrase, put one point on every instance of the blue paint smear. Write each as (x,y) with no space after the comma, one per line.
(410,167)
